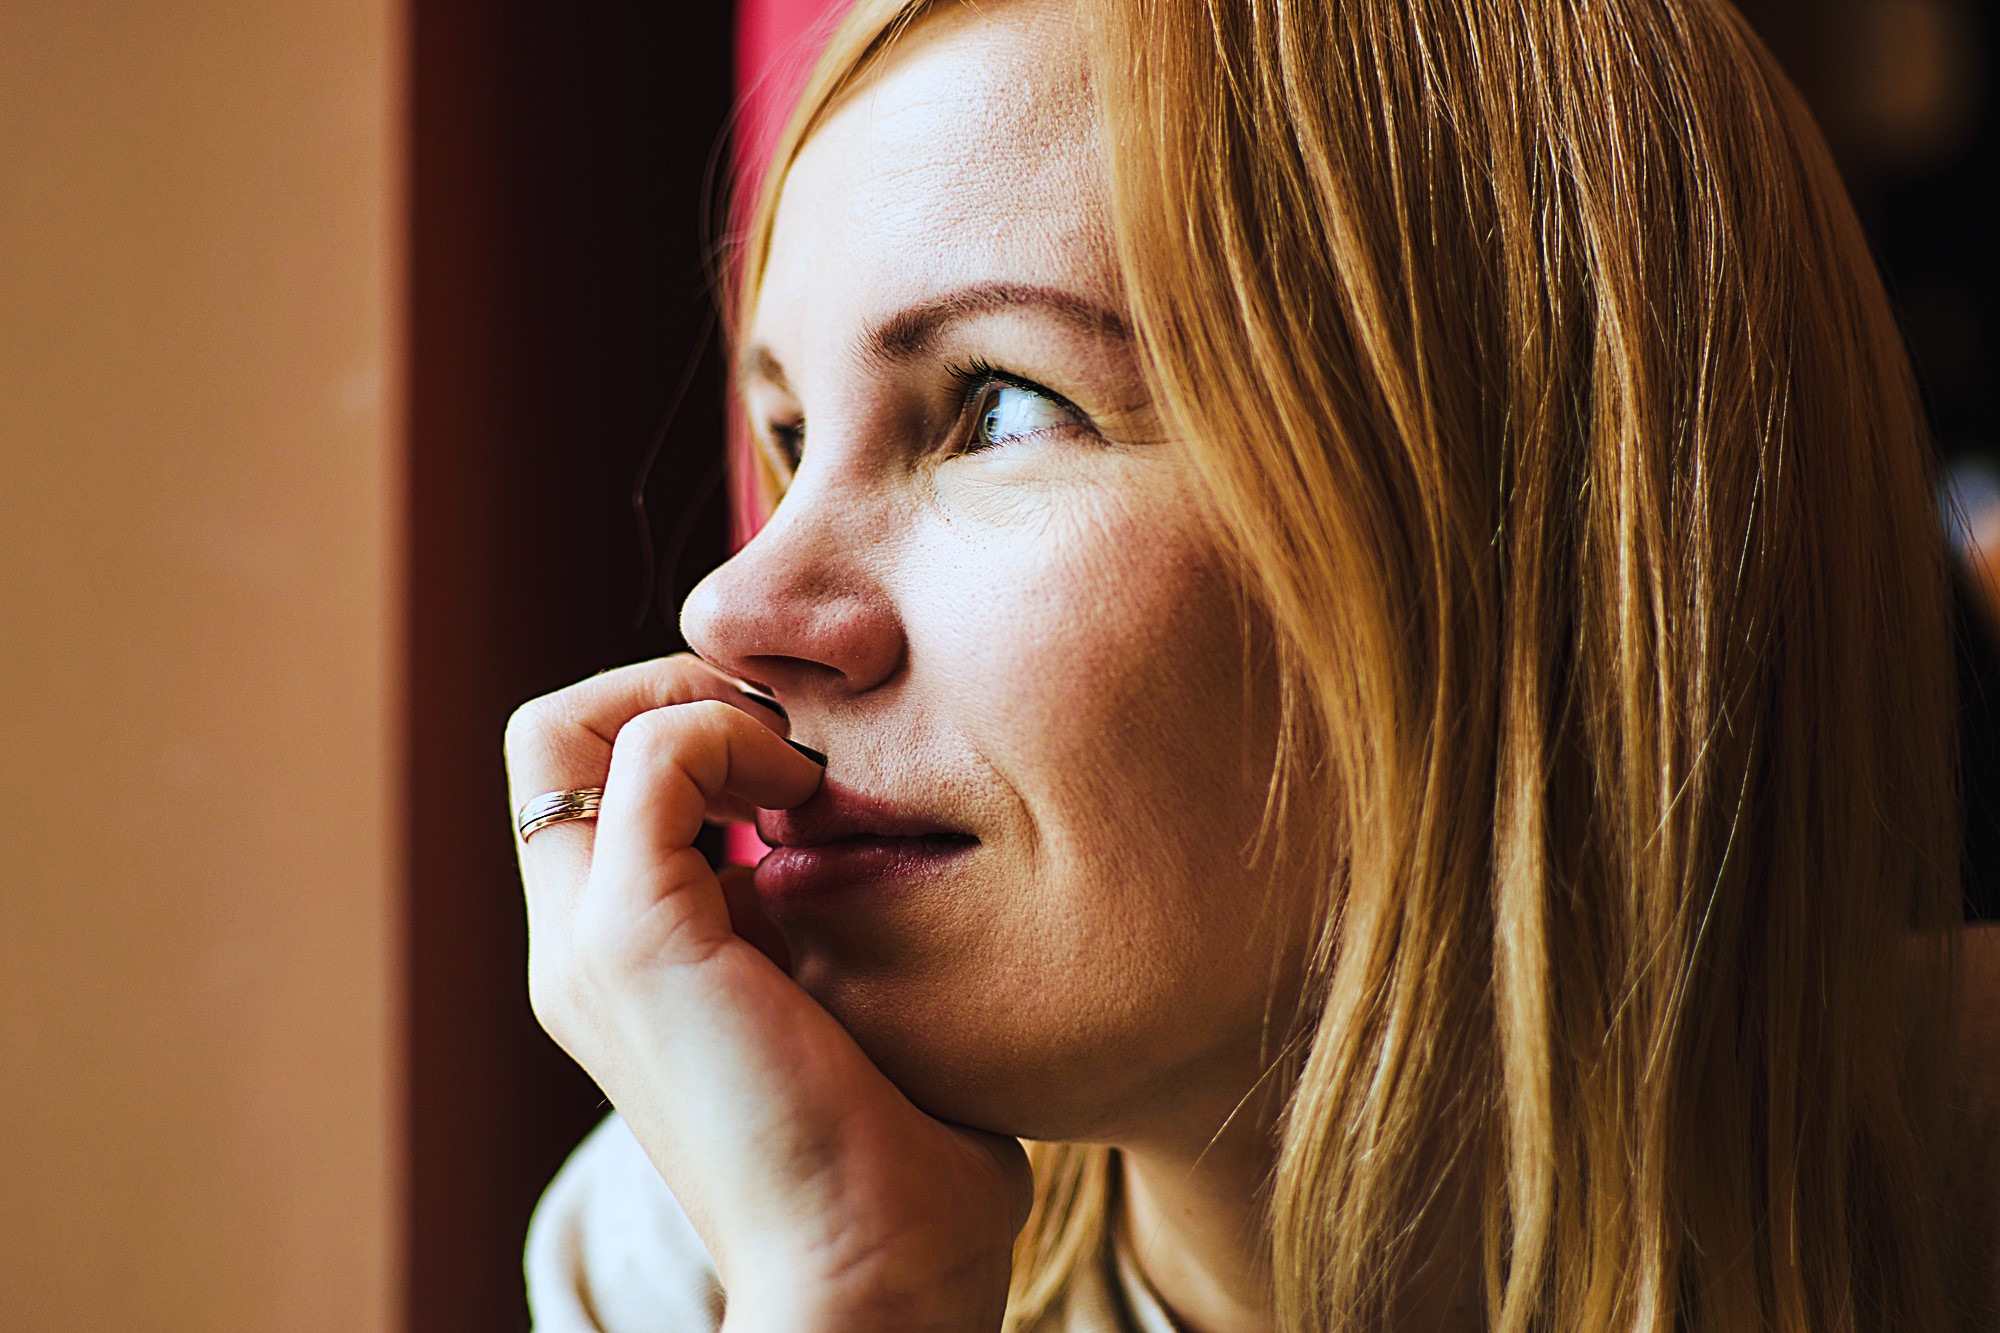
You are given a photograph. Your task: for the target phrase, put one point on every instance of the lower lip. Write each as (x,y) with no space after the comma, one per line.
(791,874)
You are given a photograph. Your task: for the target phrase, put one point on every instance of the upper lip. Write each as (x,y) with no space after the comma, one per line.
(841,814)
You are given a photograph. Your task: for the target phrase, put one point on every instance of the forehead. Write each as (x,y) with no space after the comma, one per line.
(970,156)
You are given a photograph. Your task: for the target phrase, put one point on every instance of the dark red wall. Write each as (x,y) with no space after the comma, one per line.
(559,304)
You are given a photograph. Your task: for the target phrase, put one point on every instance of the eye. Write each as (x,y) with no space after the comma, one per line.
(1005,409)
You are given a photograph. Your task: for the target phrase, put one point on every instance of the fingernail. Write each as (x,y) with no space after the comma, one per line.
(765,700)
(808,752)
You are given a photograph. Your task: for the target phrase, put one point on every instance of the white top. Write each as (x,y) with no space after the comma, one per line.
(610,1251)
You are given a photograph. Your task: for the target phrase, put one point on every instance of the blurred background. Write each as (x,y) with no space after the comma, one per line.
(358,381)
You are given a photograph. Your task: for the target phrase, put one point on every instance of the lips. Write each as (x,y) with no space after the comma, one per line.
(841,841)
(841,814)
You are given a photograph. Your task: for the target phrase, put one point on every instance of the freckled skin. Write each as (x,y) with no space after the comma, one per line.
(1037,642)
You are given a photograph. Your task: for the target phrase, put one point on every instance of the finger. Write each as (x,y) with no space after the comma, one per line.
(563,851)
(565,739)
(727,809)
(666,767)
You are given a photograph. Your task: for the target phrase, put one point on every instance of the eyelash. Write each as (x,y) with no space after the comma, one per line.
(973,377)
(976,376)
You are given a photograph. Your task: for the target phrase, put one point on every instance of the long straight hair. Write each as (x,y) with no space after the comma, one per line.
(1552,410)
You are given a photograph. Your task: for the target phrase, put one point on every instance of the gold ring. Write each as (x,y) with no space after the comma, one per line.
(557,807)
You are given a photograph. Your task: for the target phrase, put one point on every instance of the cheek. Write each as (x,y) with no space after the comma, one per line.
(1099,670)
(1066,633)
(1090,670)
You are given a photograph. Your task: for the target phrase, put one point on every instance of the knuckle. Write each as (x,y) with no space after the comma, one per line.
(530,723)
(686,666)
(651,735)
(712,714)
(660,733)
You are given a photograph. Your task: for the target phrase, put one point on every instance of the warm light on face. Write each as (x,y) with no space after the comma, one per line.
(988,595)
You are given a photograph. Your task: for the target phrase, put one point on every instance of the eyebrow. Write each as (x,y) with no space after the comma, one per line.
(910,332)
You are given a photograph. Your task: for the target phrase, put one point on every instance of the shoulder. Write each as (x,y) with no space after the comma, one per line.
(610,1251)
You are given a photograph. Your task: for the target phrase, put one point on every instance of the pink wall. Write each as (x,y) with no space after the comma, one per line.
(776,41)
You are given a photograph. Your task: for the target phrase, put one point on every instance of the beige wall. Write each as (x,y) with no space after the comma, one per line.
(198,515)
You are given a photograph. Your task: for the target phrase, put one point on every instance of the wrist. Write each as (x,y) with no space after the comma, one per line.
(915,1281)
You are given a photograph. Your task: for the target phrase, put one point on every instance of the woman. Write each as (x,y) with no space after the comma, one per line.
(1354,592)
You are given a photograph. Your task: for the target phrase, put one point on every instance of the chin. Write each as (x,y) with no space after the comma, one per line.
(969,1060)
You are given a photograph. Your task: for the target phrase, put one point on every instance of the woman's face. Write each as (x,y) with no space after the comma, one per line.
(989,598)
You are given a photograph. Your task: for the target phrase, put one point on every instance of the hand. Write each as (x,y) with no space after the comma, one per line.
(828,1199)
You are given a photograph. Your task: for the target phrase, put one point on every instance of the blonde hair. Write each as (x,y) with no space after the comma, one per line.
(1554,413)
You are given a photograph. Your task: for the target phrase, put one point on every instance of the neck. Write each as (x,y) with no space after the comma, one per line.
(1194,1214)
(1197,1222)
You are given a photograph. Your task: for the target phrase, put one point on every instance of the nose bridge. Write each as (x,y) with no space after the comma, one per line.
(805,596)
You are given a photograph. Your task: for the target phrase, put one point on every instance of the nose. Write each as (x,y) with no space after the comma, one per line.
(802,608)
